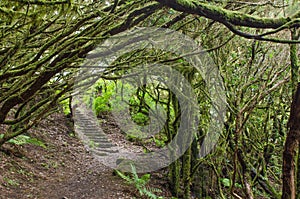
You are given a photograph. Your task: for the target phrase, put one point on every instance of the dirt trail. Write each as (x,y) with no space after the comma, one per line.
(65,169)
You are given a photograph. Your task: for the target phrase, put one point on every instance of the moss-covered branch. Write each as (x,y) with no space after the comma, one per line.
(233,17)
(43,2)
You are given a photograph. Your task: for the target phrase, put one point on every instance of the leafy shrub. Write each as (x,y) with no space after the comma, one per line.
(65,106)
(99,99)
(140,183)
(140,118)
(101,104)
(24,139)
(160,141)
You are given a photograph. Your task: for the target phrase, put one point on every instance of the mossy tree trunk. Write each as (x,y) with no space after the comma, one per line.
(289,168)
(174,168)
(174,177)
(186,171)
(290,147)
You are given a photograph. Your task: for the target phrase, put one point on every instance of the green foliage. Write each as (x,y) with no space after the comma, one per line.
(108,100)
(133,135)
(140,183)
(11,182)
(101,104)
(24,139)
(50,164)
(93,144)
(100,96)
(227,183)
(160,140)
(140,118)
(42,43)
(65,106)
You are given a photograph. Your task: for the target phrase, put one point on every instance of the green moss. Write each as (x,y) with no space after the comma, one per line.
(222,15)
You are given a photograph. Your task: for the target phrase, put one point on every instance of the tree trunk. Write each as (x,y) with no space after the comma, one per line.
(290,147)
(175,166)
(298,173)
(174,178)
(186,167)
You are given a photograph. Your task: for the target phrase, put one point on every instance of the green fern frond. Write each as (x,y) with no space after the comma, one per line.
(140,183)
(124,177)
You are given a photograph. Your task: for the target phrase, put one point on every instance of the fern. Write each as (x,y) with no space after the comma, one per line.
(24,139)
(124,177)
(140,183)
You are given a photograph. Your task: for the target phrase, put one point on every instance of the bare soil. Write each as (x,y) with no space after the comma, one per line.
(64,169)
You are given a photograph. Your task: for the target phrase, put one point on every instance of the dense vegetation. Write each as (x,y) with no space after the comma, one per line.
(254,44)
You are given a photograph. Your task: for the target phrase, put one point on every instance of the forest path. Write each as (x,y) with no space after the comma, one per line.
(88,129)
(64,169)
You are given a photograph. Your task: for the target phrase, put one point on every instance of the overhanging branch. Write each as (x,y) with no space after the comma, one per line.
(234,18)
(222,15)
(41,2)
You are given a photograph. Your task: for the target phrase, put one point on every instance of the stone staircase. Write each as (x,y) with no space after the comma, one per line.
(90,132)
(95,140)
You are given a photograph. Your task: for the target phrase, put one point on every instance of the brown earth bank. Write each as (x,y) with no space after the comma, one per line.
(63,169)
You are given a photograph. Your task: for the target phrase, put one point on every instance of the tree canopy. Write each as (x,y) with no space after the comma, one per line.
(255,44)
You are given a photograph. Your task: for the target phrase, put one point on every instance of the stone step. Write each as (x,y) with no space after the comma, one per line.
(85,116)
(82,117)
(89,132)
(100,153)
(86,119)
(104,145)
(85,125)
(83,122)
(99,139)
(104,142)
(89,128)
(94,134)
(97,136)
(105,150)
